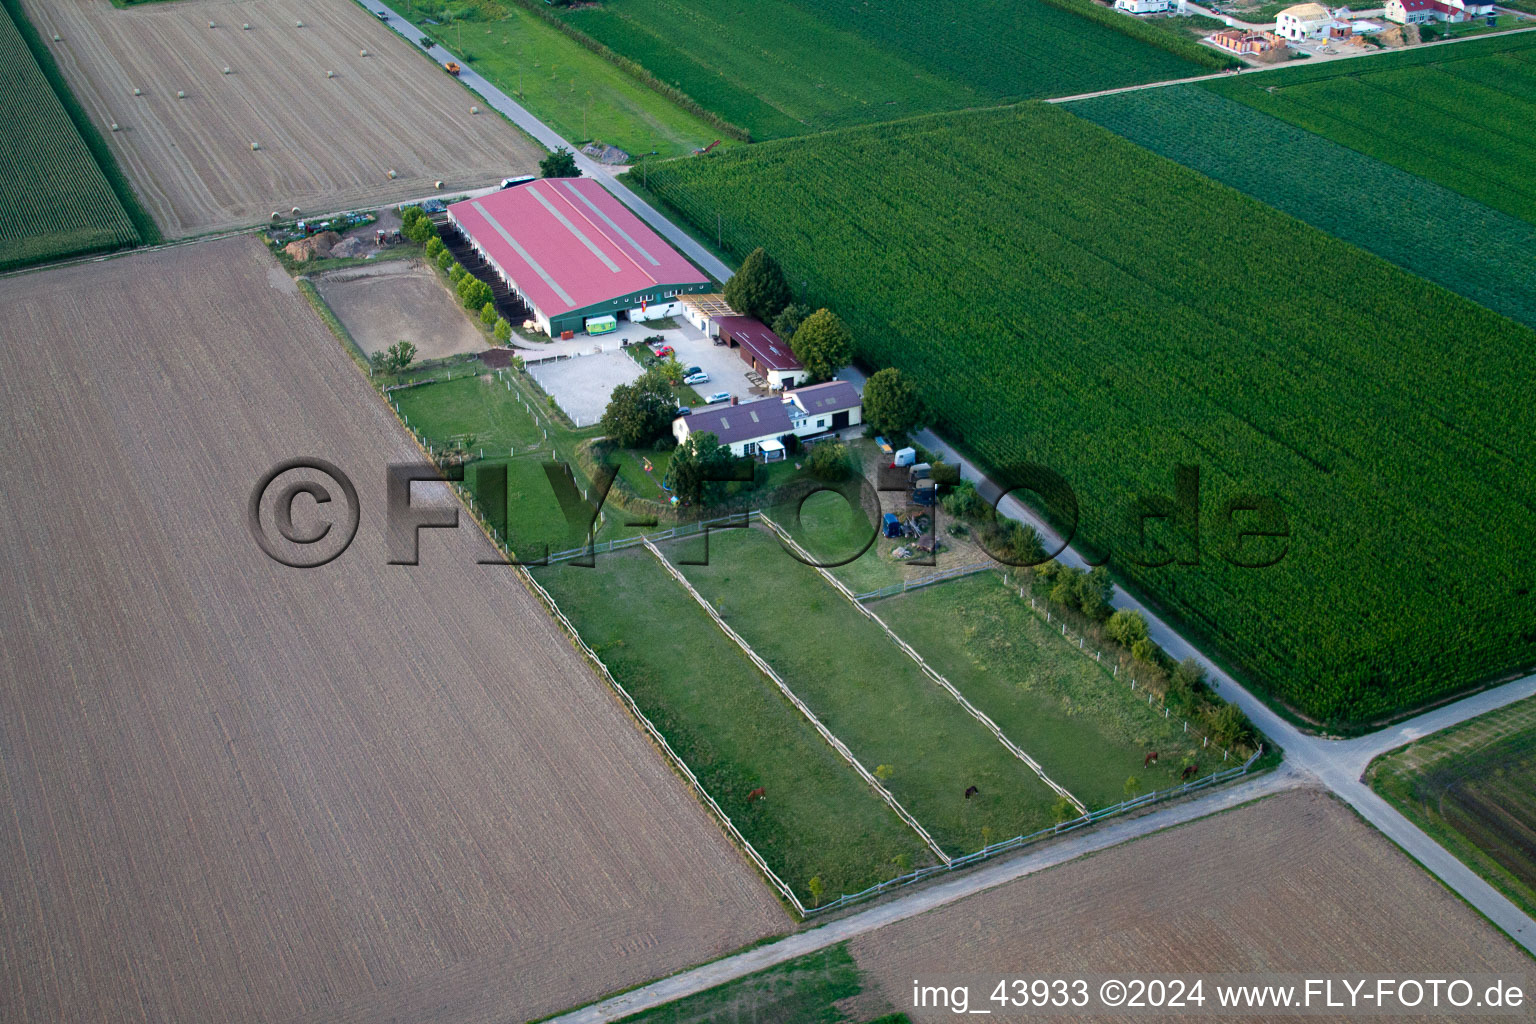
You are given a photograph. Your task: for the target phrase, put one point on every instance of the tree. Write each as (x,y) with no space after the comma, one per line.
(1132,788)
(435,247)
(817,889)
(502,331)
(697,460)
(1126,627)
(829,461)
(965,502)
(393,360)
(1229,726)
(445,262)
(892,405)
(823,344)
(758,289)
(1094,590)
(789,320)
(1188,676)
(1063,810)
(1146,651)
(473,292)
(488,314)
(559,164)
(640,412)
(416,226)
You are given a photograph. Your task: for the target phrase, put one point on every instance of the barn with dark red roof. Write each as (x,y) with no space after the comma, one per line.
(575,254)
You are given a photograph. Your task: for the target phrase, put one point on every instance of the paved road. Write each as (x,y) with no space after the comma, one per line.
(551,140)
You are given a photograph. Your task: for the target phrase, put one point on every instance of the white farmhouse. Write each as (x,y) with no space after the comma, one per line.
(1304,21)
(1144,6)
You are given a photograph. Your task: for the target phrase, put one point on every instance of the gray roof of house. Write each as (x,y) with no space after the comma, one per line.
(833,396)
(745,422)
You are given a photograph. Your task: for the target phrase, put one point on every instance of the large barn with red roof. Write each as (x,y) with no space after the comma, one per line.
(575,254)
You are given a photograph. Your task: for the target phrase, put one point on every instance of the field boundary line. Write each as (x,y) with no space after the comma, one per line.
(661,741)
(800,705)
(930,671)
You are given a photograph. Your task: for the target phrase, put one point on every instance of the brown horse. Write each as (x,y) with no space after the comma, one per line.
(1150,759)
(760,793)
(972,791)
(1189,769)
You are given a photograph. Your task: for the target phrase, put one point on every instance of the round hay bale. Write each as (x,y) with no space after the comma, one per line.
(246,27)
(276,215)
(437,184)
(295,211)
(226,71)
(255,146)
(212,25)
(56,38)
(362,53)
(138,92)
(391,175)
(181,94)
(330,74)
(114,126)
(298,24)
(474,110)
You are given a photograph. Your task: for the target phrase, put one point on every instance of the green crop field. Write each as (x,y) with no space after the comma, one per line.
(733,728)
(1473,788)
(871,695)
(58,201)
(1067,298)
(1087,729)
(1463,116)
(1457,242)
(575,92)
(787,67)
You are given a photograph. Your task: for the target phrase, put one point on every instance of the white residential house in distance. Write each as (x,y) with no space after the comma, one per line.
(1304,21)
(748,428)
(1422,12)
(823,407)
(1145,6)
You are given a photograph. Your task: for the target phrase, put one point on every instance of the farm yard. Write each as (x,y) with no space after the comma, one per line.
(1428,229)
(1337,386)
(1273,886)
(400,300)
(246,792)
(59,201)
(1473,788)
(1463,116)
(325,143)
(911,58)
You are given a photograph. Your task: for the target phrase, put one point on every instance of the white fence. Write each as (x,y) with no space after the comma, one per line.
(933,673)
(925,581)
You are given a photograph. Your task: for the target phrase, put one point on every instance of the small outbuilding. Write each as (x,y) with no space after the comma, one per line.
(761,349)
(824,407)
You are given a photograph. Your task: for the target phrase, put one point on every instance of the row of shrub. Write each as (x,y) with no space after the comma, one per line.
(638,73)
(474,293)
(1084,597)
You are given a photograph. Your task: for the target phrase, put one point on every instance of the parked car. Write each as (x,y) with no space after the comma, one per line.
(521,179)
(717,398)
(383,15)
(682,410)
(696,377)
(663,352)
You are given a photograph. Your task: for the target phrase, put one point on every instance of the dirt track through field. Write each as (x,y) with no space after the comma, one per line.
(231,791)
(1293,883)
(326,143)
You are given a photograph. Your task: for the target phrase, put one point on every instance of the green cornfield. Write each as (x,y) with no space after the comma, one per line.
(1462,116)
(789,67)
(57,200)
(1473,249)
(1067,298)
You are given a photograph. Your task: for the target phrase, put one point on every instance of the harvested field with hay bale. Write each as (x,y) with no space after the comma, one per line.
(400,301)
(236,791)
(208,148)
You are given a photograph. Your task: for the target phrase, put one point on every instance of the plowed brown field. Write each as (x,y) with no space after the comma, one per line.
(326,143)
(1295,883)
(232,791)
